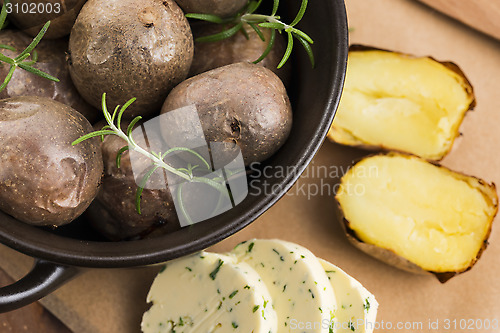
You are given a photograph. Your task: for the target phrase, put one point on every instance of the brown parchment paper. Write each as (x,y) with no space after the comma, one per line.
(109,301)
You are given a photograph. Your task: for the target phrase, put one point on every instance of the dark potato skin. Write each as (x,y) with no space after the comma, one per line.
(222,8)
(44,180)
(240,104)
(52,60)
(33,20)
(238,48)
(130,48)
(114,214)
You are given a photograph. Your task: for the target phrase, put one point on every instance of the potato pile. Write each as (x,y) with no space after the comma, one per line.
(142,49)
(401,207)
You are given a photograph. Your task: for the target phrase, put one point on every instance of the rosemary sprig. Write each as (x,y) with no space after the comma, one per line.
(258,21)
(113,127)
(20,61)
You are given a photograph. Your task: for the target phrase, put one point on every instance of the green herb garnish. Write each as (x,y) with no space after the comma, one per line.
(213,275)
(21,60)
(113,127)
(257,22)
(233,294)
(250,247)
(366,306)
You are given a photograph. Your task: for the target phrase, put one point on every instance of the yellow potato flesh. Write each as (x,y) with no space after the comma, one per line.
(401,103)
(433,217)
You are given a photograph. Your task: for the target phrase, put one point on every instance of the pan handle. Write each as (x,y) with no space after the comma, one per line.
(44,278)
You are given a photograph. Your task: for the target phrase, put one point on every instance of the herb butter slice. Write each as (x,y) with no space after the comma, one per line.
(357,310)
(209,292)
(302,295)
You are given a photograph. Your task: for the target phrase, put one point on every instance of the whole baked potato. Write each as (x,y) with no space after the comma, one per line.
(242,106)
(130,48)
(44,180)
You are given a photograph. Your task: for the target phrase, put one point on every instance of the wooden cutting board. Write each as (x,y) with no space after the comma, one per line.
(483,15)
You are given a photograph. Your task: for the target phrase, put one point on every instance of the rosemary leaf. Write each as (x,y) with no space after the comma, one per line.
(300,14)
(258,31)
(171,150)
(303,35)
(276,4)
(181,204)
(119,156)
(206,17)
(91,135)
(132,124)
(288,51)
(38,72)
(122,110)
(3,14)
(114,114)
(35,41)
(221,35)
(8,77)
(141,187)
(244,32)
(7,59)
(308,49)
(34,59)
(272,25)
(268,48)
(7,47)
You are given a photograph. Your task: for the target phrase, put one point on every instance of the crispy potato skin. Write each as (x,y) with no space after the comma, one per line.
(61,23)
(130,48)
(52,60)
(240,104)
(391,258)
(236,49)
(114,212)
(44,180)
(222,8)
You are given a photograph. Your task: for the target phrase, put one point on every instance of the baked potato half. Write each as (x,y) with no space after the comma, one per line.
(416,215)
(399,102)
